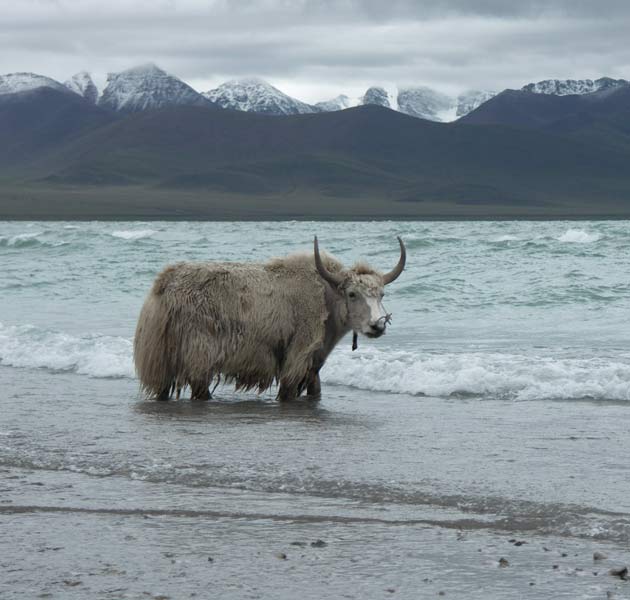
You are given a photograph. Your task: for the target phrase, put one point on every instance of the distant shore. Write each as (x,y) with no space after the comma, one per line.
(79,203)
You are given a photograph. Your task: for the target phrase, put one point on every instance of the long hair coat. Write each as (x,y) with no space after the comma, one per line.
(251,324)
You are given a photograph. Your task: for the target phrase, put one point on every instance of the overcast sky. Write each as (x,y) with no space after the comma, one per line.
(316,49)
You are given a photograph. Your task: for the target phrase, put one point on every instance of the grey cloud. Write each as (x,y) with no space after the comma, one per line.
(451,45)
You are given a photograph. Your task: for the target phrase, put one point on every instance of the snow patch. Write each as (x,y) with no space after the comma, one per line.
(256,95)
(13,83)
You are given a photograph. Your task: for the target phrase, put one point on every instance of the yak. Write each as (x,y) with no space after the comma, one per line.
(255,324)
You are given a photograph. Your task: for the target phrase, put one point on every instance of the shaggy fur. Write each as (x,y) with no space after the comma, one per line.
(250,324)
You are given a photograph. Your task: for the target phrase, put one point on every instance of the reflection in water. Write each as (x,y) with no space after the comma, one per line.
(233,408)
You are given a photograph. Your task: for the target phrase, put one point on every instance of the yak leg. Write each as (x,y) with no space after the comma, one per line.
(313,384)
(165,394)
(287,392)
(199,391)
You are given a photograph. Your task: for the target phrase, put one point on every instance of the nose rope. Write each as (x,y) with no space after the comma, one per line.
(387,319)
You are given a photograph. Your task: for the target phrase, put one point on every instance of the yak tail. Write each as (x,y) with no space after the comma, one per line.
(150,348)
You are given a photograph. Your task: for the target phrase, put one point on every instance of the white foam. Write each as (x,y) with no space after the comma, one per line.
(505,238)
(133,234)
(20,239)
(520,377)
(578,236)
(444,374)
(93,355)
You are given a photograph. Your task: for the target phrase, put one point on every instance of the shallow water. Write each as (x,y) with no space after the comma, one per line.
(496,408)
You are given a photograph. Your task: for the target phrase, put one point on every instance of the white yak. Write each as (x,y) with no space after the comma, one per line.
(255,324)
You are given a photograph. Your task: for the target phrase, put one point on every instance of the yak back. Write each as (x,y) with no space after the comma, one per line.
(250,323)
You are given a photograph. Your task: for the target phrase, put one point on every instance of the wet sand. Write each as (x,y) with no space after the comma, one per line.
(105,495)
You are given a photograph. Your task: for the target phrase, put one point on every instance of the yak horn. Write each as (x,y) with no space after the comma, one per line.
(398,269)
(334,280)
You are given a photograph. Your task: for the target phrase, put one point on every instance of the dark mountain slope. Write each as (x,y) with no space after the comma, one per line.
(157,145)
(36,122)
(377,156)
(367,151)
(518,108)
(605,111)
(606,121)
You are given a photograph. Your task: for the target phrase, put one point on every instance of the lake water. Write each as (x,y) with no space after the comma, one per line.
(494,411)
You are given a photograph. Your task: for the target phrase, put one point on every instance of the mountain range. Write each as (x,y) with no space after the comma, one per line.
(150,146)
(147,87)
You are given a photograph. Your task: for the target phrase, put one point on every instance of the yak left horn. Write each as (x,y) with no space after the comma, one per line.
(398,269)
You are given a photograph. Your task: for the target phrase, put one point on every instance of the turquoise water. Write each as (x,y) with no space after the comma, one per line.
(495,409)
(517,309)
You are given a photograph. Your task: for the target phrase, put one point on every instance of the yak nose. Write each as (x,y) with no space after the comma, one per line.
(378,326)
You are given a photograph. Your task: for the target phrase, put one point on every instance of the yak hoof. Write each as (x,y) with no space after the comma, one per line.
(286,395)
(164,395)
(202,394)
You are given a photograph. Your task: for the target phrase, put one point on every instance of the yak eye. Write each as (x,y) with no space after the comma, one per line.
(352,295)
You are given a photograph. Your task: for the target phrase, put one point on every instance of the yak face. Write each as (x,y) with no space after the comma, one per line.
(364,300)
(362,289)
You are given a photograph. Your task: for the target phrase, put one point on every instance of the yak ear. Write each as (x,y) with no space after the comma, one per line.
(333,279)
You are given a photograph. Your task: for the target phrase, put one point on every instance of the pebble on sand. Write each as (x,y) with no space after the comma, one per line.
(599,556)
(622,573)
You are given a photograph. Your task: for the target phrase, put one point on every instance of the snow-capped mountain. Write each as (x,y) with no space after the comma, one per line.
(147,87)
(256,95)
(341,102)
(566,87)
(378,96)
(12,83)
(82,84)
(425,103)
(470,100)
(421,101)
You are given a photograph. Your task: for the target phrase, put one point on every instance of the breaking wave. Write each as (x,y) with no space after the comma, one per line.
(511,376)
(133,234)
(30,240)
(447,374)
(94,355)
(578,236)
(505,238)
(21,240)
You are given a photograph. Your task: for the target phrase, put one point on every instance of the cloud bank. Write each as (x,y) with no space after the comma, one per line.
(315,49)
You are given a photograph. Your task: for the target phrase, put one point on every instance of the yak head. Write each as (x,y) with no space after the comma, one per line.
(362,288)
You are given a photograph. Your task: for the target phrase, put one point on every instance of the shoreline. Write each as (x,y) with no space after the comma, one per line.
(139,203)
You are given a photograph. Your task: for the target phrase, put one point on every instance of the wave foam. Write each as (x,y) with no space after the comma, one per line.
(518,377)
(133,234)
(505,238)
(22,239)
(578,236)
(93,355)
(494,375)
